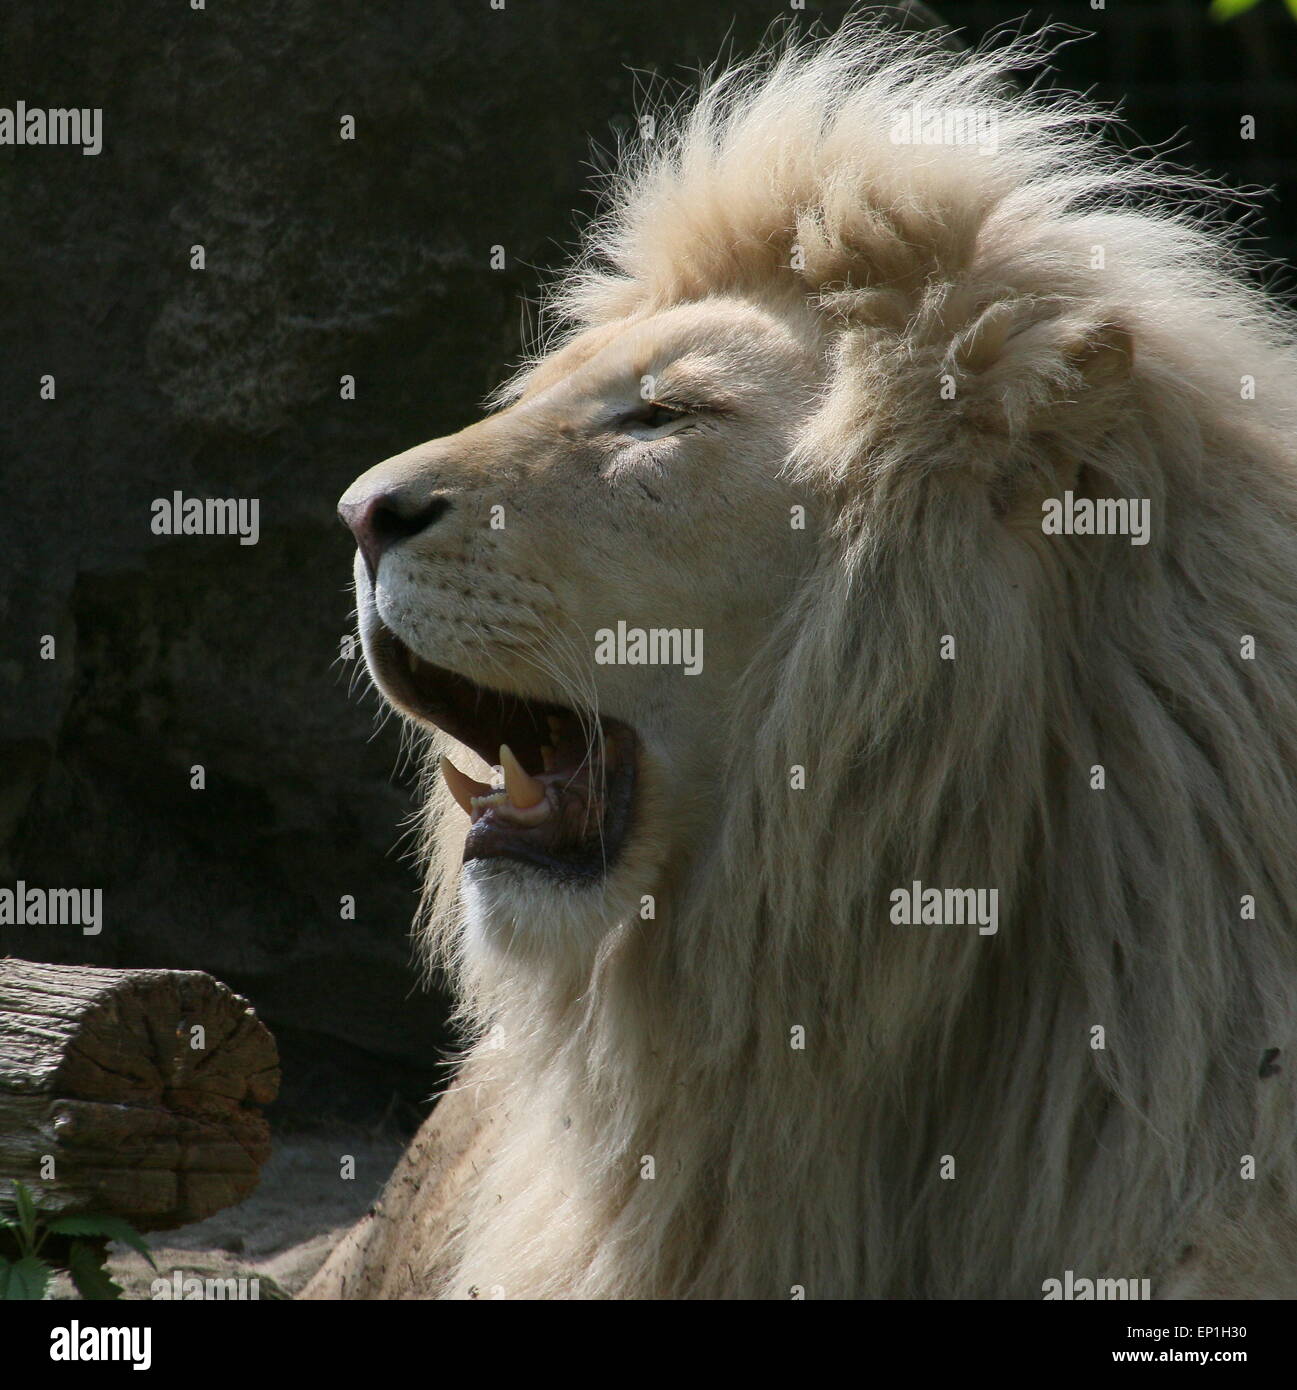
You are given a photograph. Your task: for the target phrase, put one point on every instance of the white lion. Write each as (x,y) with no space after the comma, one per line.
(855,327)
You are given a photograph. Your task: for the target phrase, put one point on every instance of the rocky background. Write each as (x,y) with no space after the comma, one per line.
(327,257)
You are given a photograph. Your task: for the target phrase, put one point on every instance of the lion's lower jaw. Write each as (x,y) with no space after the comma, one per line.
(518,916)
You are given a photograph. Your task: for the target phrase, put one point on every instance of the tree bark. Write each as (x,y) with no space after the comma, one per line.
(131,1093)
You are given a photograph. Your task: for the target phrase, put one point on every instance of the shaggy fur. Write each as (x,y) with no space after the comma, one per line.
(820,1169)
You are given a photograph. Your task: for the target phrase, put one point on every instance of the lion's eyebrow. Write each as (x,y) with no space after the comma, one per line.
(694,384)
(706,365)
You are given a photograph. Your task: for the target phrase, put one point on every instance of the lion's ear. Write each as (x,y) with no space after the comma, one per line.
(1059,385)
(1105,356)
(1060,375)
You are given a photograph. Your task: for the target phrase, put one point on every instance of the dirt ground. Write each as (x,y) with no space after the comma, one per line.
(282,1233)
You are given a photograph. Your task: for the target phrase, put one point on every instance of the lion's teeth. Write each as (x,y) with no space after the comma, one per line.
(462,787)
(412,662)
(505,809)
(524,790)
(480,805)
(547,757)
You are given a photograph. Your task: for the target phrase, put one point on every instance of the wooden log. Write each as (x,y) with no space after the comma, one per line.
(132,1093)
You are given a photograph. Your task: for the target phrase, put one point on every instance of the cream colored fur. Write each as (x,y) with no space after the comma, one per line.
(827,282)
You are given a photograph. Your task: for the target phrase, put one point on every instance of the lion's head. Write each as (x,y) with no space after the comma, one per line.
(636,485)
(747,572)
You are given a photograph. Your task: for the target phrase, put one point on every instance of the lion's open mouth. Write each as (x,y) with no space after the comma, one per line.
(567,778)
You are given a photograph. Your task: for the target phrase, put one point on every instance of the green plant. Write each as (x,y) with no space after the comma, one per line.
(81,1242)
(1222,10)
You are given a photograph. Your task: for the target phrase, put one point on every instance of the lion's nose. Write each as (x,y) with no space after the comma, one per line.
(379,521)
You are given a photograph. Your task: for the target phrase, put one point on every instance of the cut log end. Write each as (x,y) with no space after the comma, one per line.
(135,1093)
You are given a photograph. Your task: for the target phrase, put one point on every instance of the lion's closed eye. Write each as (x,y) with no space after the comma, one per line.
(654,420)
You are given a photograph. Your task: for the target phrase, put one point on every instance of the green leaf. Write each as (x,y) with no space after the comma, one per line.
(26,1210)
(1223,10)
(88,1273)
(1292,7)
(25,1280)
(107,1227)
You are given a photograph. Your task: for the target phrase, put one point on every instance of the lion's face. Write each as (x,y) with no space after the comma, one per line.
(505,575)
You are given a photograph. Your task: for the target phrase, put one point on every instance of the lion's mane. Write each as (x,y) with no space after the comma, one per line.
(1102,331)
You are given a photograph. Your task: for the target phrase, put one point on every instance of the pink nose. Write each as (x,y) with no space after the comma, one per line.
(380,521)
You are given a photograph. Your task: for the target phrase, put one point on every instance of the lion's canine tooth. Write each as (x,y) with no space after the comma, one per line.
(462,787)
(412,662)
(547,757)
(524,790)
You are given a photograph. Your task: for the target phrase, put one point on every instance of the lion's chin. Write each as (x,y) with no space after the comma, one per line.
(565,793)
(513,913)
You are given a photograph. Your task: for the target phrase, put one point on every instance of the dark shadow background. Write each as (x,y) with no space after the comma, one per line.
(371,258)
